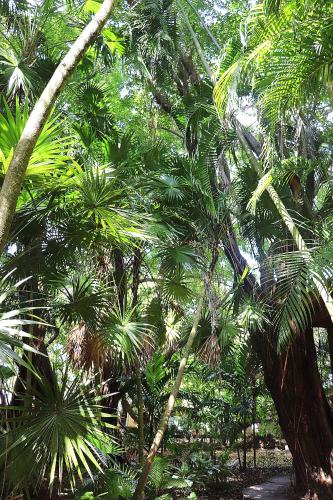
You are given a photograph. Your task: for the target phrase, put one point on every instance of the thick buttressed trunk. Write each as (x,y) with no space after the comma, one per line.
(294,383)
(305,416)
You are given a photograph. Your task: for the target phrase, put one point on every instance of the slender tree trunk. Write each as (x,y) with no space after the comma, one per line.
(136,276)
(244,448)
(120,278)
(196,42)
(329,330)
(40,359)
(205,27)
(135,289)
(141,439)
(138,494)
(304,414)
(239,458)
(16,172)
(254,417)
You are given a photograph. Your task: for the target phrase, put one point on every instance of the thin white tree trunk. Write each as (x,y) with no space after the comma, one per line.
(196,43)
(138,494)
(16,172)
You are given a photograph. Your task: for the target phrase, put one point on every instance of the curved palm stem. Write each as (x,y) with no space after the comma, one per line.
(205,27)
(15,175)
(138,494)
(287,219)
(196,42)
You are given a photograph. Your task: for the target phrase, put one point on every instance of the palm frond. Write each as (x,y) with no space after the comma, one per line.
(50,152)
(59,430)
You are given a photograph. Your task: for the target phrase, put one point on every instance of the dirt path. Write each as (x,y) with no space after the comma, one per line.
(276,488)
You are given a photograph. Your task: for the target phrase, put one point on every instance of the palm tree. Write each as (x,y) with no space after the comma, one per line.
(60,430)
(273,159)
(290,316)
(38,117)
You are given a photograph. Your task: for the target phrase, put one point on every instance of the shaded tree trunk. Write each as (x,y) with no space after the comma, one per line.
(41,363)
(139,390)
(294,383)
(244,467)
(120,280)
(254,417)
(329,330)
(304,414)
(141,439)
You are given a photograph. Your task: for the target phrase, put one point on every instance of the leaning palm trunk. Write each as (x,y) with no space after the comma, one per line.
(196,43)
(293,381)
(289,222)
(15,175)
(138,494)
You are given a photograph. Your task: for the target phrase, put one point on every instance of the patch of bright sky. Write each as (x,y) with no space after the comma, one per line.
(247,114)
(253,264)
(124,92)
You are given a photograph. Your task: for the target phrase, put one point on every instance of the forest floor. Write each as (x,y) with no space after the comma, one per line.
(235,482)
(270,463)
(276,488)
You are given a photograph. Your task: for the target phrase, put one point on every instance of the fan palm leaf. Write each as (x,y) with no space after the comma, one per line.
(60,429)
(50,152)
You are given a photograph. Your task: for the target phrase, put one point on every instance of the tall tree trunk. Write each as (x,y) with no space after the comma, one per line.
(254,417)
(294,383)
(244,467)
(120,279)
(196,42)
(137,260)
(305,416)
(15,175)
(138,494)
(329,330)
(39,360)
(139,391)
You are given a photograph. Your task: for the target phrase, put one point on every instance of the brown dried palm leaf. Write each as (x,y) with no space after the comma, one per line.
(86,348)
(210,352)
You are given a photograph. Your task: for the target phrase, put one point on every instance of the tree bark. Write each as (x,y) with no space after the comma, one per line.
(120,278)
(294,383)
(329,330)
(305,416)
(244,467)
(137,260)
(138,494)
(139,391)
(16,172)
(254,417)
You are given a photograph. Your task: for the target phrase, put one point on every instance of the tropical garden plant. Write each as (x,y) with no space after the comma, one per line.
(166,238)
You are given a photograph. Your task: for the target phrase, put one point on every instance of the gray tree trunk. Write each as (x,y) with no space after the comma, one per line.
(16,172)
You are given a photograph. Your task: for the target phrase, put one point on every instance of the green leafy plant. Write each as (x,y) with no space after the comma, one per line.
(13,336)
(163,476)
(50,152)
(58,430)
